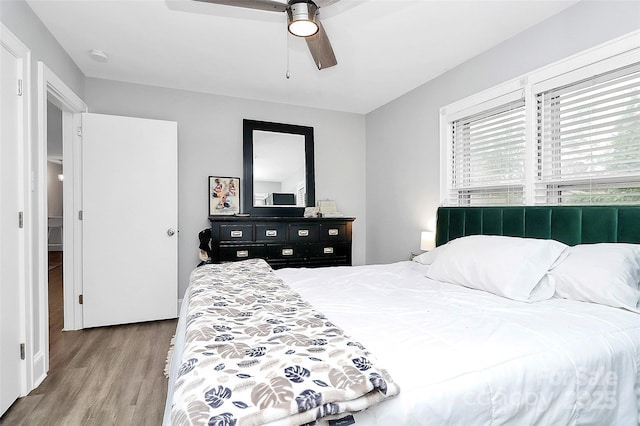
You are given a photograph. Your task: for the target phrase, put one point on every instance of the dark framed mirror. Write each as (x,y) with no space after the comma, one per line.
(279,177)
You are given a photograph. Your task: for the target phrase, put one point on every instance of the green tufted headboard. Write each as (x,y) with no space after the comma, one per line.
(569,224)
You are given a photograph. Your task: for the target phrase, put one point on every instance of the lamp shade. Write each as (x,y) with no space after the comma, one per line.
(302,19)
(427,240)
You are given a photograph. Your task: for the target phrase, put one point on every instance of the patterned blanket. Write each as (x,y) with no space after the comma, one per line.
(256,353)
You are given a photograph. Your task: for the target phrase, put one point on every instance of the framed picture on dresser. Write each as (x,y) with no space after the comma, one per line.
(224,195)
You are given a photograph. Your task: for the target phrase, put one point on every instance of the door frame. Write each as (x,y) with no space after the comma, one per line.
(25,262)
(52,88)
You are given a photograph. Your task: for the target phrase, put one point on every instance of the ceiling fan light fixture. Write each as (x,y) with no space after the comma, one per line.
(302,19)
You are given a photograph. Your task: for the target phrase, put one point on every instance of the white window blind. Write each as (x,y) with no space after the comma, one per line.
(488,156)
(588,141)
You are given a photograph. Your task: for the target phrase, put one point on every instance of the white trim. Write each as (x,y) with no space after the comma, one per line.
(625,47)
(49,84)
(487,99)
(446,144)
(72,123)
(25,249)
(610,55)
(530,166)
(587,71)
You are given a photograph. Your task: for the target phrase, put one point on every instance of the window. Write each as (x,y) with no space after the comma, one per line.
(588,141)
(488,153)
(568,133)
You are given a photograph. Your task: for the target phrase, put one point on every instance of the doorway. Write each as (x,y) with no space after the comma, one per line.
(55,96)
(55,221)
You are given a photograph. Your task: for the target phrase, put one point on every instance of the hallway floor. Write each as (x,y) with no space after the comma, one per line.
(100,376)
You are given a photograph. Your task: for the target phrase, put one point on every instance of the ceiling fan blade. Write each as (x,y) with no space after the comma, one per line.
(268,5)
(324,3)
(320,48)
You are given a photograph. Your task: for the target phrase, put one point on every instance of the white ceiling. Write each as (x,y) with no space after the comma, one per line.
(384,48)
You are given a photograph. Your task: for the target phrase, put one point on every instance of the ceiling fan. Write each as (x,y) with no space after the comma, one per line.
(303,22)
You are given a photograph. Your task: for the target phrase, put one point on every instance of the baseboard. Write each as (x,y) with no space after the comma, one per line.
(39,370)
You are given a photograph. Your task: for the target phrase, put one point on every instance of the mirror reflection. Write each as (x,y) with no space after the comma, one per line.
(279,177)
(279,174)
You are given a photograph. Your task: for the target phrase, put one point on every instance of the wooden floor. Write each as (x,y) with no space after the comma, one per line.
(101,376)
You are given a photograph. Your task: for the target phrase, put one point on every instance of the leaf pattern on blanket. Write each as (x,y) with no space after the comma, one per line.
(348,377)
(256,352)
(196,413)
(362,363)
(296,374)
(215,397)
(224,419)
(293,339)
(276,392)
(377,381)
(187,366)
(261,330)
(203,335)
(308,399)
(236,350)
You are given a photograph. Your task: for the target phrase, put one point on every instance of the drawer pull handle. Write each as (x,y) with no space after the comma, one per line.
(236,234)
(242,253)
(287,252)
(303,233)
(328,250)
(333,231)
(271,233)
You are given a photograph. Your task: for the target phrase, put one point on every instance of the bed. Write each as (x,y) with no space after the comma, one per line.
(446,353)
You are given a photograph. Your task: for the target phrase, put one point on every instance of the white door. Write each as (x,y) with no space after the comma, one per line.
(10,241)
(129,203)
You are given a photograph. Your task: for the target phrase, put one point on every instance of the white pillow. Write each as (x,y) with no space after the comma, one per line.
(605,273)
(428,257)
(511,267)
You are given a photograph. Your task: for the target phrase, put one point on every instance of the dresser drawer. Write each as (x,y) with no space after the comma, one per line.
(284,242)
(236,232)
(241,252)
(303,232)
(329,249)
(286,251)
(333,232)
(271,232)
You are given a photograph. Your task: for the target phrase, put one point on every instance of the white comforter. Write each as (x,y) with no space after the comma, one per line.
(483,359)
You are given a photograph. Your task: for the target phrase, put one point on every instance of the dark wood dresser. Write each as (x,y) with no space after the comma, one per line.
(282,241)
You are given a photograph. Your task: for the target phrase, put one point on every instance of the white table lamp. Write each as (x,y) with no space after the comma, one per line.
(427,240)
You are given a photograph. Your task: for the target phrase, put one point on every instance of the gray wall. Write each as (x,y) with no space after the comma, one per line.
(54,133)
(54,160)
(54,190)
(403,136)
(24,24)
(210,143)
